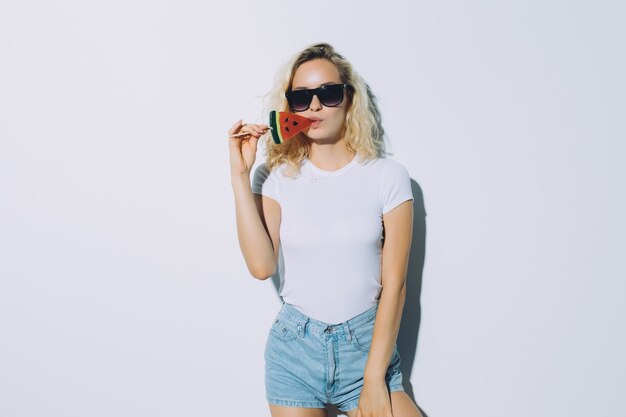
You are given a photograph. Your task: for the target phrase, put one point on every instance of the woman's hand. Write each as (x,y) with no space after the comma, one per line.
(374,400)
(243,146)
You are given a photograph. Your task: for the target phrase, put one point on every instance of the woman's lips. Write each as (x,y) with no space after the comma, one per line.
(316,122)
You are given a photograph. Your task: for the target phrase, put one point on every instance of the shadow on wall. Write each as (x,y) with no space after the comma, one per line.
(411,315)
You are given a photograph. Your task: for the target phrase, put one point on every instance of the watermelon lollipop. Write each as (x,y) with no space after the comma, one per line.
(287,125)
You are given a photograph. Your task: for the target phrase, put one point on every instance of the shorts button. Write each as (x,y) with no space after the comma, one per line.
(299,327)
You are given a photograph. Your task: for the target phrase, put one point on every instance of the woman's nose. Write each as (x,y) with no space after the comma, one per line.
(315,104)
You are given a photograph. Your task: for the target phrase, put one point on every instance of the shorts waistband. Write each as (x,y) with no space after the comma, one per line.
(295,316)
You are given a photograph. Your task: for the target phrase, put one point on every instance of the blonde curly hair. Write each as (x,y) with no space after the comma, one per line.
(363,131)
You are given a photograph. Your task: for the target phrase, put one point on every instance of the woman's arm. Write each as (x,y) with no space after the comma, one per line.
(258,218)
(258,221)
(398,225)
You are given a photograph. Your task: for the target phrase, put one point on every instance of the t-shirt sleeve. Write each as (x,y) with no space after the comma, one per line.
(264,182)
(396,186)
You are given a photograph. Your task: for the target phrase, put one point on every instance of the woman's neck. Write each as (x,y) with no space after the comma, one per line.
(330,156)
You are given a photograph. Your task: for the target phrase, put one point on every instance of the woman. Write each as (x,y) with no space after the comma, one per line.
(334,219)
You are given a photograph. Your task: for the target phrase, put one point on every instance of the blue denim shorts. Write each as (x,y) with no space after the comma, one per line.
(309,363)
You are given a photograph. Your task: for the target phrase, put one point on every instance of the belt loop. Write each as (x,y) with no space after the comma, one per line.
(348,331)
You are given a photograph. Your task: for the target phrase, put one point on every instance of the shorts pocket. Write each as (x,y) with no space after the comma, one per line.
(362,336)
(283,330)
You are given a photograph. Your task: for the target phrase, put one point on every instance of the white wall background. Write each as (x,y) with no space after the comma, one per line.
(122,288)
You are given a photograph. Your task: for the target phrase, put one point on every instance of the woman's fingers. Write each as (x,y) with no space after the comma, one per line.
(242,130)
(240,135)
(233,130)
(256,128)
(262,128)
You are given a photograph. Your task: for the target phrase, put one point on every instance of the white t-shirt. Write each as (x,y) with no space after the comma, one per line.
(331,233)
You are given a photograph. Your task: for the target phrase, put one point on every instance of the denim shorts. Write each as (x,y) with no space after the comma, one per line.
(309,363)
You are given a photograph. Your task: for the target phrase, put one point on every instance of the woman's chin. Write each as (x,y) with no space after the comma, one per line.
(320,137)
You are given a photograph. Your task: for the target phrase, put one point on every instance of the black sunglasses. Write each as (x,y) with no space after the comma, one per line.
(330,95)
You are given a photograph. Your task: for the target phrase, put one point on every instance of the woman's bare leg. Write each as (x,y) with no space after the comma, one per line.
(280,411)
(401,406)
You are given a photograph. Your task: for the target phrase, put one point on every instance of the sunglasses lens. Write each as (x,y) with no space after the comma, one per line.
(299,100)
(331,95)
